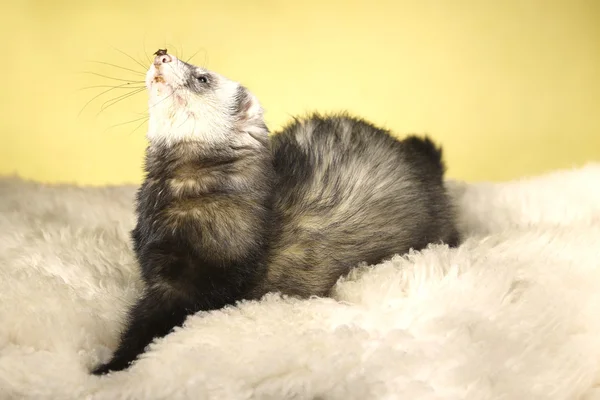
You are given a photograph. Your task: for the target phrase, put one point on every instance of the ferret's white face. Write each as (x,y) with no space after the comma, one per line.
(189,103)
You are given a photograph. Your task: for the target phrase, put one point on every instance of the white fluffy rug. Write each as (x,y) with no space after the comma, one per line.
(514,313)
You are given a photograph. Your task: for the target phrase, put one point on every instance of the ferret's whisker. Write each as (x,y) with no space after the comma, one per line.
(123,86)
(140,125)
(98,95)
(145,51)
(194,128)
(132,58)
(186,120)
(110,77)
(142,61)
(194,55)
(117,100)
(206,59)
(118,66)
(155,104)
(170,45)
(174,70)
(128,122)
(120,97)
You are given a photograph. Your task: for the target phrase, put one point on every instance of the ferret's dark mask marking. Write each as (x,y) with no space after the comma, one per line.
(161,52)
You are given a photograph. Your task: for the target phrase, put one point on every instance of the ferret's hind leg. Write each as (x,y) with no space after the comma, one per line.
(152,316)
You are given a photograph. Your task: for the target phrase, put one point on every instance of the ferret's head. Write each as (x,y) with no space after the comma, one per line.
(189,103)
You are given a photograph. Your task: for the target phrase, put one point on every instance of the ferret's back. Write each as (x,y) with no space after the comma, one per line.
(349,193)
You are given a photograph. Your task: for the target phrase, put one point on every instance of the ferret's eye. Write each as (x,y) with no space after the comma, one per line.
(202,78)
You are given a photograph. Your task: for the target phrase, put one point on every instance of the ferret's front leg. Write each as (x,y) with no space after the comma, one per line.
(152,316)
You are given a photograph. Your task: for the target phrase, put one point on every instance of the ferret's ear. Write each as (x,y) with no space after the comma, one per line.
(247,108)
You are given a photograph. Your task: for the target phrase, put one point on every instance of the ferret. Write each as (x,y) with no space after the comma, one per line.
(228,212)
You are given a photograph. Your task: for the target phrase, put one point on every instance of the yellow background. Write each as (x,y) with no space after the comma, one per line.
(510,88)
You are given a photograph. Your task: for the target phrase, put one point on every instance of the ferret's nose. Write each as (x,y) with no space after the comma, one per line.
(162,59)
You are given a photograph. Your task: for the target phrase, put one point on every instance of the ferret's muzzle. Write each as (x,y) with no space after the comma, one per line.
(162,58)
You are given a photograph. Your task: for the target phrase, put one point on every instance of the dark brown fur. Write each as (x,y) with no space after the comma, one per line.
(349,192)
(202,236)
(233,220)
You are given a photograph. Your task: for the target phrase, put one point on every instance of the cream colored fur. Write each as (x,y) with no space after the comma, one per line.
(514,313)
(177,114)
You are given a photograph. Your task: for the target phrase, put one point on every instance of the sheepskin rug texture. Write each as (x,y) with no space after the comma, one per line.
(513,313)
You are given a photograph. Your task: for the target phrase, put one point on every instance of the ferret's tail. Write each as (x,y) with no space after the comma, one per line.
(427,148)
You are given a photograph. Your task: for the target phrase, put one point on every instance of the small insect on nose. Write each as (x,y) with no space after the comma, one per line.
(162,57)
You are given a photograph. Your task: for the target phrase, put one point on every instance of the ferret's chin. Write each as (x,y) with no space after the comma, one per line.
(159,90)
